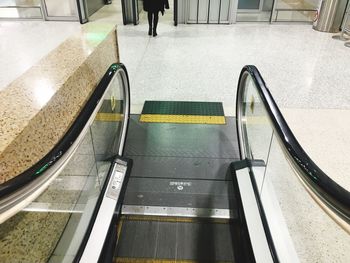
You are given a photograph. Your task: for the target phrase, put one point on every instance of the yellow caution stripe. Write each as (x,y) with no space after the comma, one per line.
(156,260)
(109,117)
(190,119)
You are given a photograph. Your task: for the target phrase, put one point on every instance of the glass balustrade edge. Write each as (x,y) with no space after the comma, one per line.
(333,197)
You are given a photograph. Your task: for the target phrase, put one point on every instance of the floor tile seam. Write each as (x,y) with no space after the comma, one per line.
(140,63)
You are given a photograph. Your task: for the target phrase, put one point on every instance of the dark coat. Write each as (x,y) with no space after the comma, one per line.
(155,5)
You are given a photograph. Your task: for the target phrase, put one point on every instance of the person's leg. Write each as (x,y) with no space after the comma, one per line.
(155,23)
(149,15)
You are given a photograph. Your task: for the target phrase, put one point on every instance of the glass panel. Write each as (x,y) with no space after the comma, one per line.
(316,237)
(248,4)
(295,10)
(26,9)
(94,5)
(61,8)
(256,128)
(16,12)
(254,10)
(108,122)
(52,227)
(20,3)
(255,123)
(310,228)
(262,16)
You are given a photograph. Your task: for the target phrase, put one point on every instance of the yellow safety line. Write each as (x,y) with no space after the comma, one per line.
(156,260)
(175,219)
(191,119)
(110,117)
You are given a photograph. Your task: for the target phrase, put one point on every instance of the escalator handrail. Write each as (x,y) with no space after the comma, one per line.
(333,197)
(38,170)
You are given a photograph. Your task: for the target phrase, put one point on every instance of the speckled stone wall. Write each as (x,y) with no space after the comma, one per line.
(45,229)
(38,108)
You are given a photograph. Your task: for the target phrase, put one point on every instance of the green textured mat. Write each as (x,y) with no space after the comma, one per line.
(183,108)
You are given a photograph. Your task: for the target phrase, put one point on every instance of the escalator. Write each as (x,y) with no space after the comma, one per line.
(180,182)
(180,203)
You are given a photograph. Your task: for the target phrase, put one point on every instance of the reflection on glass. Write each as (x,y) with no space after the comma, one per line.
(310,228)
(18,9)
(18,12)
(295,10)
(61,8)
(52,227)
(308,224)
(256,123)
(254,10)
(108,122)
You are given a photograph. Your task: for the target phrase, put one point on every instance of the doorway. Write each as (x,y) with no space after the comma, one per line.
(133,12)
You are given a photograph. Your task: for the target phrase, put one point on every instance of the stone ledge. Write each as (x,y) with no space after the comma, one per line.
(38,108)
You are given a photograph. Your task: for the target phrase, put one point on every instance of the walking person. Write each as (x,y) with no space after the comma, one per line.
(153,7)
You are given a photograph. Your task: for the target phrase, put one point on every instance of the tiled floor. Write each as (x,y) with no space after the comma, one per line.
(307,71)
(23,43)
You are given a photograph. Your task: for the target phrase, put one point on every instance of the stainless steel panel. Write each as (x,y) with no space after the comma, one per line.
(178,211)
(203,11)
(214,11)
(192,11)
(225,11)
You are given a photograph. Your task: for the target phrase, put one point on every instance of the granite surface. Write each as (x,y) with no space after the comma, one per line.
(31,237)
(38,108)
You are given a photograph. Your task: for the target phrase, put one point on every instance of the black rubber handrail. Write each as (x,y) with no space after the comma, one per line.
(65,143)
(331,194)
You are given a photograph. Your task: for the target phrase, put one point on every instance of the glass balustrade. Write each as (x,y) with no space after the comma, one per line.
(52,226)
(303,201)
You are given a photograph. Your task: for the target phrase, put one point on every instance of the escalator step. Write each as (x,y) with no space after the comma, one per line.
(183,112)
(174,239)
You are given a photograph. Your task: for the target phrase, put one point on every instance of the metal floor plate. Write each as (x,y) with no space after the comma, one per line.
(179,166)
(183,108)
(180,193)
(182,140)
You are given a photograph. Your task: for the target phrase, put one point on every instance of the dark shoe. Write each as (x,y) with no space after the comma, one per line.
(150,32)
(155,33)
